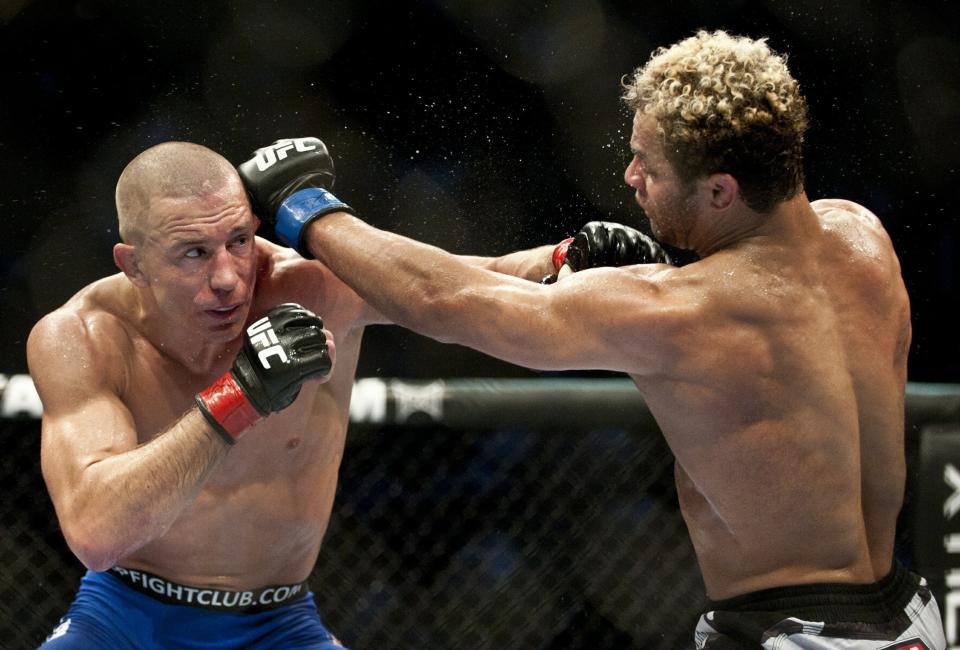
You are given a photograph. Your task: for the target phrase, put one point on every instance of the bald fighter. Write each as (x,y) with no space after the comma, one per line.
(194,419)
(775,365)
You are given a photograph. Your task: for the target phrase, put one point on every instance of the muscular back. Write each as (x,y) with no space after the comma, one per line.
(783,403)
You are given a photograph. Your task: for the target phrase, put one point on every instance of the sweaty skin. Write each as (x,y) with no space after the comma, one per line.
(137,476)
(775,365)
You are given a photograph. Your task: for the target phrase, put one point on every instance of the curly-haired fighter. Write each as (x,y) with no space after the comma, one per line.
(775,365)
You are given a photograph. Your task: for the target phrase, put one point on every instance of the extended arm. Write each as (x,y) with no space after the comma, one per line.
(532,264)
(588,321)
(288,182)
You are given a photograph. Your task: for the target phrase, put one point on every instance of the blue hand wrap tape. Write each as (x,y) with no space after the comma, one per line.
(300,208)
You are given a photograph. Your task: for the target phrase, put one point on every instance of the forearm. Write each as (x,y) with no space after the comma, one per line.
(130,499)
(434,293)
(530,264)
(411,283)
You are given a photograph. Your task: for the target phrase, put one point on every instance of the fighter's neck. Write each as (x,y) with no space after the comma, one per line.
(184,346)
(785,221)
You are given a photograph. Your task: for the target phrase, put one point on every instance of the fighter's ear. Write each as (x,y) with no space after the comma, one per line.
(127,259)
(724,190)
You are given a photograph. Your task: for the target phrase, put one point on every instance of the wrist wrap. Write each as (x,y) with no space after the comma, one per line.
(299,209)
(560,253)
(227,408)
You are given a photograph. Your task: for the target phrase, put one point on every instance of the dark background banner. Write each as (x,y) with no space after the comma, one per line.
(479,126)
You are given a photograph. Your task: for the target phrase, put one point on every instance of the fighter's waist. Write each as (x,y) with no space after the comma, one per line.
(223,600)
(871,602)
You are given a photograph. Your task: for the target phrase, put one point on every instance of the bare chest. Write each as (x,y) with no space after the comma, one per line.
(301,441)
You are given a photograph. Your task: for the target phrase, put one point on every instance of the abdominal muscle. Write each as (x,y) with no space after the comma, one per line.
(765,526)
(261,516)
(770,489)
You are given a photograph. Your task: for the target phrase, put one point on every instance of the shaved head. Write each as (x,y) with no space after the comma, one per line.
(171,169)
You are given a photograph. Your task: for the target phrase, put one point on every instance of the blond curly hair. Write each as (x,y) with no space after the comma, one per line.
(726,104)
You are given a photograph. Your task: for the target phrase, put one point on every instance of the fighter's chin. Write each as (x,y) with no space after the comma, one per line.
(655,229)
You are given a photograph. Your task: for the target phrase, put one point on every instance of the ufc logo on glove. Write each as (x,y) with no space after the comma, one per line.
(262,336)
(250,391)
(266,157)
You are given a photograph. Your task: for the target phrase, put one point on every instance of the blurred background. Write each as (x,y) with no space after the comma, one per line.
(481,126)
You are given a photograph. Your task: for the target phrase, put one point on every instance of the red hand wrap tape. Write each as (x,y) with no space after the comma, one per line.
(560,253)
(229,406)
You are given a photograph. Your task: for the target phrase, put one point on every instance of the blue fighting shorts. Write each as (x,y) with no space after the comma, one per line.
(123,608)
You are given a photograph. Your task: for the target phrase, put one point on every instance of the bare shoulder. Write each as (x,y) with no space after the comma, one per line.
(632,319)
(842,211)
(857,232)
(285,276)
(655,297)
(667,290)
(82,344)
(858,245)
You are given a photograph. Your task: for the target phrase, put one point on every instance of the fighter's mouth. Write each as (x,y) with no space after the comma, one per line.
(224,312)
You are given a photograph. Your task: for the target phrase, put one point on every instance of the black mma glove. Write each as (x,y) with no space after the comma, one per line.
(604,243)
(280,351)
(288,184)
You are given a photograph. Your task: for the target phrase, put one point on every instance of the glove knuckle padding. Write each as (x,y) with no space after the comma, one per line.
(273,376)
(301,338)
(289,186)
(601,243)
(275,172)
(314,359)
(296,321)
(630,248)
(579,251)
